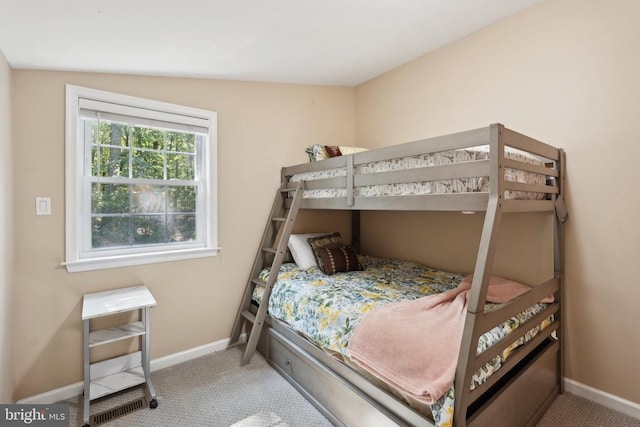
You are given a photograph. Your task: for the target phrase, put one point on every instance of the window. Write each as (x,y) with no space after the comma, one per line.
(141,184)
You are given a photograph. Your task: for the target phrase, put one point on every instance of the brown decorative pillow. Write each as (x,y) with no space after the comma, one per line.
(332,150)
(335,260)
(332,240)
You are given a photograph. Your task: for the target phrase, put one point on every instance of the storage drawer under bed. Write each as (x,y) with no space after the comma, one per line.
(522,398)
(340,402)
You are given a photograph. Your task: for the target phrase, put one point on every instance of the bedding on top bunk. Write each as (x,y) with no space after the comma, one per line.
(459,185)
(327,309)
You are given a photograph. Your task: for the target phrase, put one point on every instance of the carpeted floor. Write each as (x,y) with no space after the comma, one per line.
(215,391)
(569,410)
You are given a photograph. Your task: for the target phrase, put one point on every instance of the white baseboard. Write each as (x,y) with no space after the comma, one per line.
(603,398)
(184,356)
(76,389)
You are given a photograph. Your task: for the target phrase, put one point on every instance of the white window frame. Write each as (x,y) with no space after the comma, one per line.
(78,209)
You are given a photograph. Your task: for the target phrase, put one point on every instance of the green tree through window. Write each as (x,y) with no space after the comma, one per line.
(158,204)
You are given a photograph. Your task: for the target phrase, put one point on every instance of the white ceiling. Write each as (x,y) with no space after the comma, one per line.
(326,42)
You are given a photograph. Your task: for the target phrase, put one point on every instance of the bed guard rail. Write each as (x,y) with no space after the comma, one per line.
(496,136)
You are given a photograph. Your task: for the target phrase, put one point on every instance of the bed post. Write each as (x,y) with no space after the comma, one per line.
(558,260)
(480,283)
(355,230)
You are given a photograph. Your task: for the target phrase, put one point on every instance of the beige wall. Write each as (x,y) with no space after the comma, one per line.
(261,127)
(566,72)
(7,379)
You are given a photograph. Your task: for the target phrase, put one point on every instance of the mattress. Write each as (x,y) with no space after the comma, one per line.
(460,185)
(326,309)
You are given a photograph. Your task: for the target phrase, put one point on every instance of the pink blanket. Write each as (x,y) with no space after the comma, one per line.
(414,345)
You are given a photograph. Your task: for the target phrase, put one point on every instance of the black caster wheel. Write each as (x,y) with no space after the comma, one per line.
(85,425)
(153,404)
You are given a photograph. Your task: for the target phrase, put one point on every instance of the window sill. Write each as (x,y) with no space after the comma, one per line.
(89,264)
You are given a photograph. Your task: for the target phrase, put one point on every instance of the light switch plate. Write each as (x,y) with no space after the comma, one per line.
(43,205)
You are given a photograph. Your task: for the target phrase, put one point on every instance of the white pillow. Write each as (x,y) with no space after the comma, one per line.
(301,250)
(346,150)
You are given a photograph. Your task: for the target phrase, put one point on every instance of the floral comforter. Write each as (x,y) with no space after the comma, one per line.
(326,309)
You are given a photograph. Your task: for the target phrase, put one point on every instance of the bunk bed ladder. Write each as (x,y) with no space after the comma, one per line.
(273,248)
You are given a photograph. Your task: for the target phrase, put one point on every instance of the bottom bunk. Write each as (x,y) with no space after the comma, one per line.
(321,313)
(347,398)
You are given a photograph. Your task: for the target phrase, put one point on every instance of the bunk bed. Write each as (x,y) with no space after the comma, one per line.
(492,170)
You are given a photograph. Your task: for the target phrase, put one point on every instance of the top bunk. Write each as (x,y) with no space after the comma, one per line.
(467,171)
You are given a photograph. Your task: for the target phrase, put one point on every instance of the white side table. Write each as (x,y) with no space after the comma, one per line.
(112,375)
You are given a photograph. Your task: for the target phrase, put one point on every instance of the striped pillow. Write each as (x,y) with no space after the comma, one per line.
(336,260)
(332,240)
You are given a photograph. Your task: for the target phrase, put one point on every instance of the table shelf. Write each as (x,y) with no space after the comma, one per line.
(116,333)
(118,373)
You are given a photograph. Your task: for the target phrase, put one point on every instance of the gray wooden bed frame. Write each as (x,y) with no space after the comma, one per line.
(517,394)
